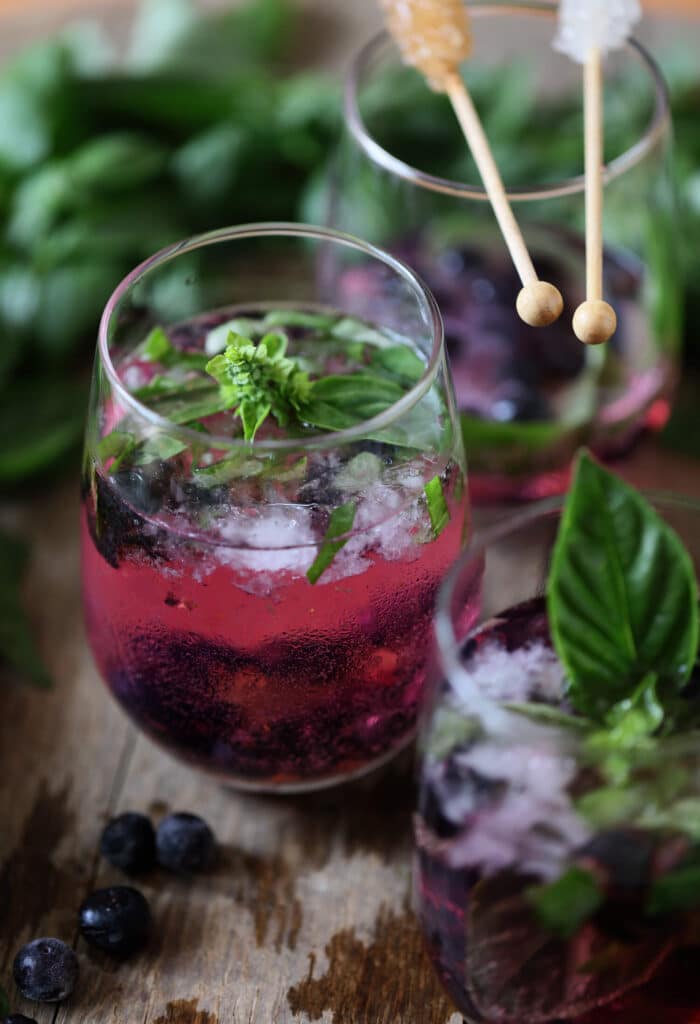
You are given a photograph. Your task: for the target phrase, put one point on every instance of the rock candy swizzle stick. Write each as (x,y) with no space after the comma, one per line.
(588,30)
(434,36)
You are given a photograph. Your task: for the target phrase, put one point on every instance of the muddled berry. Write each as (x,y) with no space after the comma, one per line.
(145,487)
(624,857)
(46,970)
(116,920)
(185,843)
(129,843)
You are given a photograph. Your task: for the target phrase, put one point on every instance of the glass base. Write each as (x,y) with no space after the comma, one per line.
(270,788)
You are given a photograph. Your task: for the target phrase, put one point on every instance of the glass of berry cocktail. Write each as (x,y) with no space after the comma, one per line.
(404,178)
(558,829)
(273,489)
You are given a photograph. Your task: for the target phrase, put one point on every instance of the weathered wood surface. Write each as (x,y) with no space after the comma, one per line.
(307,915)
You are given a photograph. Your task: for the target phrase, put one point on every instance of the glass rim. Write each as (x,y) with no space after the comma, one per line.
(655,129)
(447,643)
(271,229)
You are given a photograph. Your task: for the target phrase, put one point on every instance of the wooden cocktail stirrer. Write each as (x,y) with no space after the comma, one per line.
(588,29)
(434,37)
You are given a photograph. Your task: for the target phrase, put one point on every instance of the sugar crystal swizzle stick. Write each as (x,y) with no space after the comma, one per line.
(434,36)
(588,30)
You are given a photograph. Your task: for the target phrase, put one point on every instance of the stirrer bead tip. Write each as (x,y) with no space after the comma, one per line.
(595,322)
(540,304)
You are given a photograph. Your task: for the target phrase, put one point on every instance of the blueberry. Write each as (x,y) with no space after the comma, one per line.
(129,843)
(184,843)
(46,970)
(144,488)
(116,920)
(18,1018)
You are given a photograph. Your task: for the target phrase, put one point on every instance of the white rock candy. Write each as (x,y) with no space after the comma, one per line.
(586,24)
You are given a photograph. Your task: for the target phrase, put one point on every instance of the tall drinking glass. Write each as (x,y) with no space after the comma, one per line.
(509,802)
(403,178)
(261,608)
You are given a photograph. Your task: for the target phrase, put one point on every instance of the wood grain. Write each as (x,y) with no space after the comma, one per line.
(307,915)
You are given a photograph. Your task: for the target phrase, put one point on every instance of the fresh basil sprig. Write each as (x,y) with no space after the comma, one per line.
(622,597)
(622,602)
(340,523)
(257,381)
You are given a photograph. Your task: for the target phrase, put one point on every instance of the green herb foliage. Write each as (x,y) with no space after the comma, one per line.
(622,595)
(622,603)
(564,905)
(340,524)
(259,380)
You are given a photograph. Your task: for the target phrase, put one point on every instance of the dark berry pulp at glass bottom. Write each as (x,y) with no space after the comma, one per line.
(228,655)
(657,976)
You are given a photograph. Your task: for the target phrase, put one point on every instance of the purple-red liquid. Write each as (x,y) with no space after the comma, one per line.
(480,933)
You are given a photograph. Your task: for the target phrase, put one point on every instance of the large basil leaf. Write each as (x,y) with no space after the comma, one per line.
(622,594)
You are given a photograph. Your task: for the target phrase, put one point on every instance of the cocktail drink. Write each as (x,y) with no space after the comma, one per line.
(273,489)
(527,397)
(557,848)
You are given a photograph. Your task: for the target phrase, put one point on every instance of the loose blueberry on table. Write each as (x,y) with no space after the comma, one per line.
(46,970)
(116,920)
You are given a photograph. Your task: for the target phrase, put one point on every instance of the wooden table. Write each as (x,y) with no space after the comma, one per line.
(307,916)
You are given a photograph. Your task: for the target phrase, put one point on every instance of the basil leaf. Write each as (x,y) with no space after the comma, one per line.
(437,505)
(339,402)
(621,596)
(564,905)
(158,348)
(4,1003)
(678,890)
(547,714)
(297,318)
(238,466)
(340,523)
(351,329)
(186,407)
(116,163)
(159,446)
(218,337)
(116,445)
(358,473)
(400,361)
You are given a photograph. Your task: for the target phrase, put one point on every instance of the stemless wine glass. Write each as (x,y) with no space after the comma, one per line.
(262,609)
(506,804)
(404,179)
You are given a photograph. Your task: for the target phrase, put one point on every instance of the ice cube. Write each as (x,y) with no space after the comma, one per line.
(532,672)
